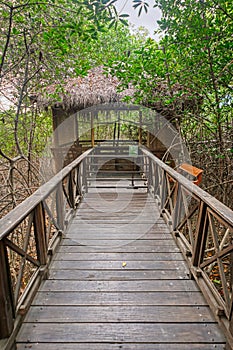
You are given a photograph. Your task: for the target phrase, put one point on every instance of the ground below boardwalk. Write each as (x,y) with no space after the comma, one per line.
(119,282)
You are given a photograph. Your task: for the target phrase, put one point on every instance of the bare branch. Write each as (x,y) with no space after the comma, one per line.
(7,42)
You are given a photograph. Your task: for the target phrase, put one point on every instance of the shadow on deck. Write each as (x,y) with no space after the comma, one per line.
(119,281)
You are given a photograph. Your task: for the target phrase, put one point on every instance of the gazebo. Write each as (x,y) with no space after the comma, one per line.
(92,110)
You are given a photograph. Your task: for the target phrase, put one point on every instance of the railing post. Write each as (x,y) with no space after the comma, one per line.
(229,345)
(177,207)
(149,174)
(163,189)
(6,295)
(40,234)
(78,181)
(84,175)
(200,233)
(60,207)
(156,180)
(71,189)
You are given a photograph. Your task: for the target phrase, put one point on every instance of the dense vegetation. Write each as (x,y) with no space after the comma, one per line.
(187,75)
(43,43)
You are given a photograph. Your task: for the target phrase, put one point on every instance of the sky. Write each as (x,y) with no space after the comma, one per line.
(148,20)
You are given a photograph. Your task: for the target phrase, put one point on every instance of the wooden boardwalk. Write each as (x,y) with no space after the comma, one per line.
(119,281)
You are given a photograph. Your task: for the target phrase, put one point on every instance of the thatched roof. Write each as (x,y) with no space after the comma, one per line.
(181,98)
(97,88)
(82,92)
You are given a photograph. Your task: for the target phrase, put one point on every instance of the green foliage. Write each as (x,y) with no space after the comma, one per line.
(33,131)
(43,43)
(192,62)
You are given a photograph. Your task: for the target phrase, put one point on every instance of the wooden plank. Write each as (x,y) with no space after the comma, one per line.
(116,265)
(115,214)
(115,256)
(120,236)
(118,210)
(131,197)
(133,332)
(129,314)
(6,295)
(109,245)
(119,298)
(116,221)
(114,195)
(126,195)
(119,286)
(115,275)
(118,207)
(121,228)
(153,243)
(171,248)
(92,302)
(117,346)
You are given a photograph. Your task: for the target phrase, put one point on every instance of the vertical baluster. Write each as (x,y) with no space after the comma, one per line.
(79,181)
(40,234)
(6,295)
(60,207)
(229,344)
(163,189)
(77,188)
(153,178)
(149,174)
(177,207)
(84,175)
(156,180)
(200,234)
(71,189)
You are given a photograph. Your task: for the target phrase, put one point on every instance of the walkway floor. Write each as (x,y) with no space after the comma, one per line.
(119,282)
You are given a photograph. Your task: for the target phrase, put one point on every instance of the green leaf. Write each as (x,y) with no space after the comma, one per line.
(15,30)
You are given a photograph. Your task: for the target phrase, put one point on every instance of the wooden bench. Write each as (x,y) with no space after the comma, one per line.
(194,174)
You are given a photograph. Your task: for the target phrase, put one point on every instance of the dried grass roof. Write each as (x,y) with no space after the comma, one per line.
(82,92)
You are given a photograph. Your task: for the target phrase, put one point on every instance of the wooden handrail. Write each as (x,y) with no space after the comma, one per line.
(203,228)
(212,202)
(192,214)
(15,216)
(33,221)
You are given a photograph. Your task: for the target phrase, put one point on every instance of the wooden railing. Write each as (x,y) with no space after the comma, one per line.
(29,235)
(203,228)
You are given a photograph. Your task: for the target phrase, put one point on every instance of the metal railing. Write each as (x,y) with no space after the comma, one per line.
(203,228)
(29,235)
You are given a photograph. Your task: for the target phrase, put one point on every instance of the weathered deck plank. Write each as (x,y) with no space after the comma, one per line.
(115,346)
(118,332)
(129,314)
(116,275)
(117,264)
(119,282)
(119,298)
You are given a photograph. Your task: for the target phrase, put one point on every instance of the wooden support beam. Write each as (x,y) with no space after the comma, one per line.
(92,131)
(76,127)
(40,234)
(148,140)
(6,295)
(118,127)
(200,235)
(140,128)
(60,207)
